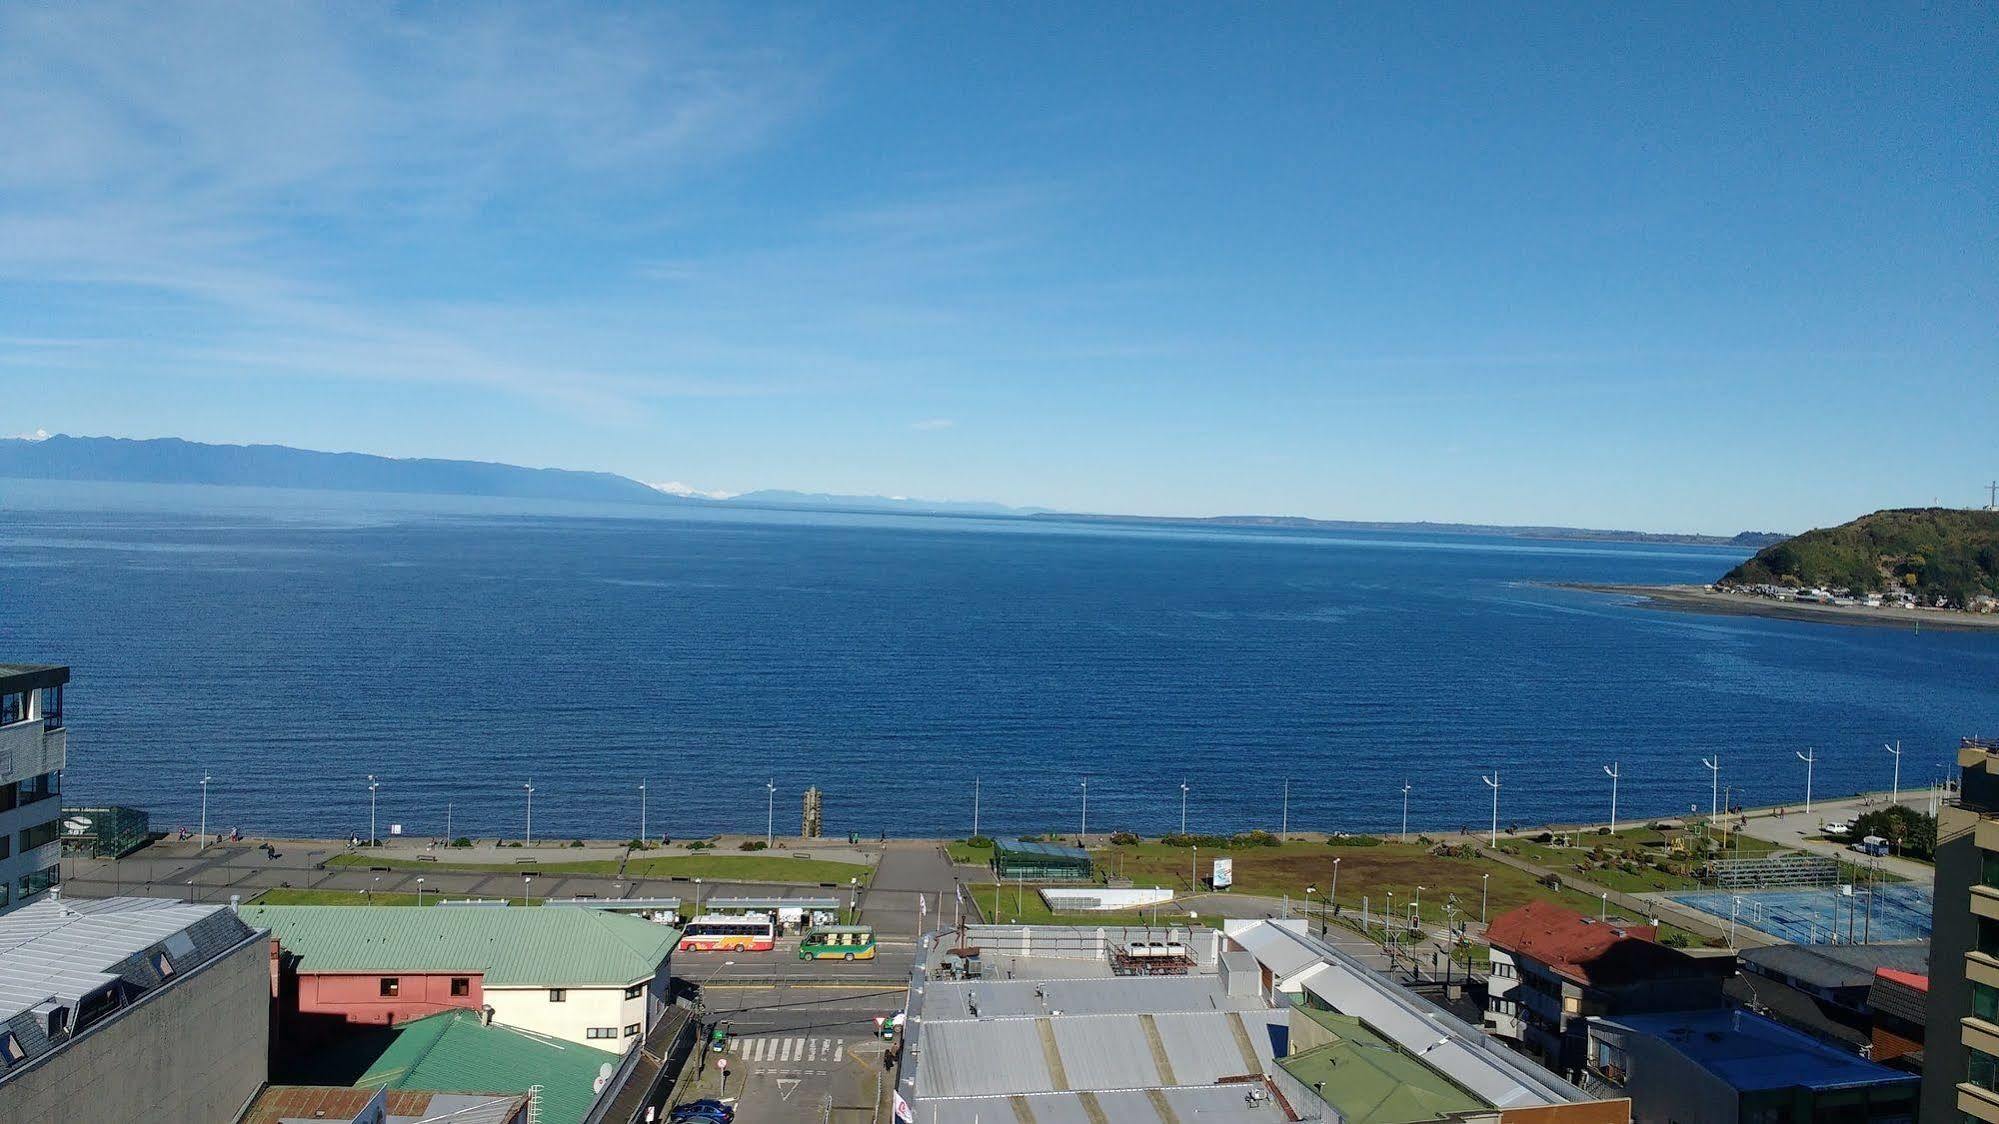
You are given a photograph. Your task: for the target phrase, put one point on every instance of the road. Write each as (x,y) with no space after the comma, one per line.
(1797,829)
(796,1051)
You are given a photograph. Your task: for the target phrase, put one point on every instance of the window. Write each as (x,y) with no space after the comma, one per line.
(631,1030)
(392,986)
(558,995)
(162,963)
(13,707)
(10,1049)
(1988,936)
(601,1032)
(51,708)
(634,991)
(1981,1069)
(461,986)
(40,834)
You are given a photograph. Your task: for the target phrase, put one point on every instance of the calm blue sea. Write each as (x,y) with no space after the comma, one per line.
(291,643)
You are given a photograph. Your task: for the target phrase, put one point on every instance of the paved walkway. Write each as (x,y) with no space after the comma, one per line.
(1794,828)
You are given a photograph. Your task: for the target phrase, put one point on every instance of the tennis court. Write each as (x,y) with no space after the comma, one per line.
(1899,911)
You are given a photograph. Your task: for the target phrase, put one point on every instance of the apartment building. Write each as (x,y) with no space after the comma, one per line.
(1961,1036)
(33,744)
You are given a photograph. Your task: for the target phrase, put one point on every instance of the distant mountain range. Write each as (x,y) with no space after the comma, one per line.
(170,460)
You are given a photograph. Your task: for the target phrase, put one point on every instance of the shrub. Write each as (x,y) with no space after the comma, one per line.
(638,845)
(1211,842)
(1674,940)
(1354,841)
(750,845)
(1545,837)
(700,845)
(982,841)
(1124,838)
(575,842)
(461,841)
(1603,831)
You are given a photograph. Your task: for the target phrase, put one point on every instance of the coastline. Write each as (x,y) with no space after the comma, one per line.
(1702,599)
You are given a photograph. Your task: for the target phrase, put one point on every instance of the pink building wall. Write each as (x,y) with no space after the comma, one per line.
(359,999)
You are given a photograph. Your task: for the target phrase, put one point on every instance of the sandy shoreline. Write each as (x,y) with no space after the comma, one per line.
(1701,599)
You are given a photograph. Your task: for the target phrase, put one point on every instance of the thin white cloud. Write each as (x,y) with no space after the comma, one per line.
(37,435)
(933,423)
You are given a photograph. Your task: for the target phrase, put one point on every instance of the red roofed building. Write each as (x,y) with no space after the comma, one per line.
(1553,967)
(1900,1004)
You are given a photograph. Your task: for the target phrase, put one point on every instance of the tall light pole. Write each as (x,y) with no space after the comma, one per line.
(1335,894)
(1284,824)
(1484,892)
(1085,833)
(373,784)
(1808,757)
(1714,781)
(529,789)
(1896,796)
(419,890)
(1493,781)
(770,813)
(642,811)
(1610,770)
(975,807)
(203,841)
(1405,811)
(1183,807)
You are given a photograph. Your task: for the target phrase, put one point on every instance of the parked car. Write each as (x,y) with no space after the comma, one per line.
(704,1111)
(1841,828)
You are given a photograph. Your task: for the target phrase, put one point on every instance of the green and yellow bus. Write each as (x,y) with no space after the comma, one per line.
(837,942)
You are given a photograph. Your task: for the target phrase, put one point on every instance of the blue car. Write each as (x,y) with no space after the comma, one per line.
(707,1110)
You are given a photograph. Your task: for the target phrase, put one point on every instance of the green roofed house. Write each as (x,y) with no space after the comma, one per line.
(583,975)
(1366,1077)
(1040,862)
(454,1053)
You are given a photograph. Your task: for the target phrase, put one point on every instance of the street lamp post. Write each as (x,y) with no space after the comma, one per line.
(1284,824)
(1895,797)
(1484,892)
(373,784)
(529,789)
(1493,781)
(1183,807)
(1610,770)
(1334,895)
(770,813)
(1084,835)
(1405,811)
(525,879)
(975,807)
(1714,782)
(203,841)
(1309,891)
(1808,757)
(642,811)
(419,890)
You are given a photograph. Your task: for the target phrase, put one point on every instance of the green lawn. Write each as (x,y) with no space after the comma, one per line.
(963,852)
(757,867)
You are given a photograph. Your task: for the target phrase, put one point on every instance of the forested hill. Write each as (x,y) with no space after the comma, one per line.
(1933,552)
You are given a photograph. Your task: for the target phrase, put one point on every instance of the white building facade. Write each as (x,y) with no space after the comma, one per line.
(33,749)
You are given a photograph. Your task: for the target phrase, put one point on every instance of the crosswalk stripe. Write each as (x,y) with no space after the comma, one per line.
(789,1044)
(812,1050)
(839,1050)
(757,1049)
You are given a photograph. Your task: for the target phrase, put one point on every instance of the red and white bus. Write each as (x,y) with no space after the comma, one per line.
(723,932)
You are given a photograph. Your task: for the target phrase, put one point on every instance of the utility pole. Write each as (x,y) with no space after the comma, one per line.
(1611,771)
(1808,757)
(1493,781)
(1714,781)
(1405,811)
(1896,749)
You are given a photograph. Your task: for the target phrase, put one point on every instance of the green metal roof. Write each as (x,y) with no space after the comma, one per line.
(1019,848)
(454,1053)
(510,947)
(1370,1080)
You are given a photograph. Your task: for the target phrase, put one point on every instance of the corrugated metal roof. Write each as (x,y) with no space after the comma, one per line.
(512,947)
(1003,1056)
(68,948)
(1110,995)
(1225,1104)
(1834,966)
(1023,848)
(454,1053)
(987,1057)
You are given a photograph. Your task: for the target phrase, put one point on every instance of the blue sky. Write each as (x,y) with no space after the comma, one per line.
(1675,269)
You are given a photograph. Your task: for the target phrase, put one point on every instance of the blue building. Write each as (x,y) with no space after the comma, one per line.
(1733,1067)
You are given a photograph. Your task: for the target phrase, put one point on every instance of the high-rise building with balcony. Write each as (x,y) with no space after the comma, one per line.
(1961,1038)
(32,747)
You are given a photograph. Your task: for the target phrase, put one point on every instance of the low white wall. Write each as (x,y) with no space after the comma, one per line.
(1104,897)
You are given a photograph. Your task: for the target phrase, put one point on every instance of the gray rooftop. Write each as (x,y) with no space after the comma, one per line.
(56,952)
(24,676)
(1215,1104)
(1837,965)
(1068,1053)
(1103,995)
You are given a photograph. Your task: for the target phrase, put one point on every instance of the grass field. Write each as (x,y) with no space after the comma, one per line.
(721,868)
